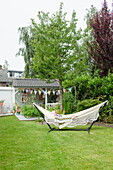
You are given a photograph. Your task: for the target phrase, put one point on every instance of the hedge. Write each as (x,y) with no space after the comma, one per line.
(93,91)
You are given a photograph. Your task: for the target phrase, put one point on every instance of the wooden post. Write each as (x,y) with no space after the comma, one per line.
(61,95)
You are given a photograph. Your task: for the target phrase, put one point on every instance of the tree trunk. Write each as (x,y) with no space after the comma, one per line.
(61,95)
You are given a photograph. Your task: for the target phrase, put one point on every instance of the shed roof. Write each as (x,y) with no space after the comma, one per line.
(4,77)
(34,83)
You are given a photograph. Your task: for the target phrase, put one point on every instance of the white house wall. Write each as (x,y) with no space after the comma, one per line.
(8,95)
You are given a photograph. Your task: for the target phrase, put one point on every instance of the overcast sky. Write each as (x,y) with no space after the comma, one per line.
(17,13)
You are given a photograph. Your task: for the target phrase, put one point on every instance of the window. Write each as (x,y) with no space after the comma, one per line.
(11,74)
(24,98)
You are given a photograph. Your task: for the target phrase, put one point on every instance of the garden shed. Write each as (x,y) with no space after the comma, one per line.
(36,90)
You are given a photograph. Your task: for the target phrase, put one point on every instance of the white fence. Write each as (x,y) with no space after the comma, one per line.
(8,95)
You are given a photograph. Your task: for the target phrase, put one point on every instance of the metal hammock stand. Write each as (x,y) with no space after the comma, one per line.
(56,129)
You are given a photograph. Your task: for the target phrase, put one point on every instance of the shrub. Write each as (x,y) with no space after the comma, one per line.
(92,88)
(107,114)
(30,110)
(69,103)
(81,84)
(104,116)
(85,104)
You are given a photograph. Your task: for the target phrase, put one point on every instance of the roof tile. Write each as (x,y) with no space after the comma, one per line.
(34,83)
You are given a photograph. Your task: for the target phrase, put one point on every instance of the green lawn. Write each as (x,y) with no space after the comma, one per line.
(27,145)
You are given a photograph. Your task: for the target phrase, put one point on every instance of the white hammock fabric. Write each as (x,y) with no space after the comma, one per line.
(71,120)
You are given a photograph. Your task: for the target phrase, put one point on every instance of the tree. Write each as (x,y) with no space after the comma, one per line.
(5,65)
(26,51)
(101,48)
(88,37)
(55,46)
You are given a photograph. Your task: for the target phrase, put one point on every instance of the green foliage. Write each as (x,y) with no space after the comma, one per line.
(88,87)
(92,90)
(69,102)
(58,111)
(31,98)
(50,108)
(14,109)
(30,110)
(1,101)
(81,83)
(26,50)
(5,65)
(55,44)
(85,104)
(57,107)
(107,115)
(40,119)
(88,37)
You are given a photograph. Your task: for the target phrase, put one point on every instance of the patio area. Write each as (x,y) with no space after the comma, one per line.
(23,118)
(5,114)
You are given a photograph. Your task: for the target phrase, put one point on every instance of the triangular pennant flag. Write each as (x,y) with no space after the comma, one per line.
(49,92)
(30,91)
(35,92)
(39,92)
(64,90)
(53,92)
(70,89)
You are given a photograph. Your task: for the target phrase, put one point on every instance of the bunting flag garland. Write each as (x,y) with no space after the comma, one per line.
(30,91)
(24,91)
(27,91)
(49,92)
(57,93)
(35,92)
(64,90)
(53,92)
(40,91)
(70,89)
(44,91)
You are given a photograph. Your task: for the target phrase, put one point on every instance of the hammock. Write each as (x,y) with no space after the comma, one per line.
(71,120)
